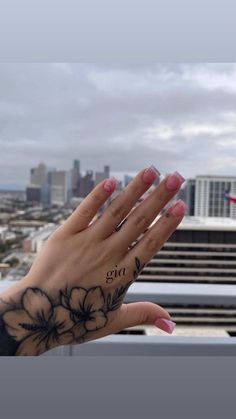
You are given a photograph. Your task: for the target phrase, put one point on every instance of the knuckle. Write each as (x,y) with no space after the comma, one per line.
(136,188)
(147,312)
(96,198)
(85,212)
(144,315)
(117,211)
(141,221)
(142,318)
(152,244)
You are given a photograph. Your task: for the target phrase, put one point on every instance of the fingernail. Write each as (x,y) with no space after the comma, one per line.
(174,181)
(110,184)
(178,208)
(166,325)
(150,174)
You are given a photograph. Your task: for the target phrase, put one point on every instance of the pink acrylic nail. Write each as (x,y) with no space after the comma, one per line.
(178,208)
(164,324)
(110,184)
(174,181)
(150,174)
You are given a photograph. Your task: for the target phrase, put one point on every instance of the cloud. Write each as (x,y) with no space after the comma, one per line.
(176,116)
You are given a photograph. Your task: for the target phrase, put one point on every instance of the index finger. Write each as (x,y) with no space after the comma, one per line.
(85,212)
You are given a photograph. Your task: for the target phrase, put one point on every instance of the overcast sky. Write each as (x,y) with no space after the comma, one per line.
(177,117)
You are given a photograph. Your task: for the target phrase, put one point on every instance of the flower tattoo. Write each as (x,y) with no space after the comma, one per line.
(37,322)
(86,309)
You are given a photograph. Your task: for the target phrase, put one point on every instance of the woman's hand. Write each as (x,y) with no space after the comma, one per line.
(75,289)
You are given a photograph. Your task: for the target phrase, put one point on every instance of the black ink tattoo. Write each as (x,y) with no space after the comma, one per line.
(139,268)
(37,322)
(115,273)
(114,300)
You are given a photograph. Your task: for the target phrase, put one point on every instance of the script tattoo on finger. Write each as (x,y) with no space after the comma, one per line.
(115,273)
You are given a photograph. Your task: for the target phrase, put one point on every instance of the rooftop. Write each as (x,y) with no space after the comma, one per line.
(207,223)
(216,177)
(44,232)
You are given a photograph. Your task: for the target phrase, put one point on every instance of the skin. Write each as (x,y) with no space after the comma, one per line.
(66,297)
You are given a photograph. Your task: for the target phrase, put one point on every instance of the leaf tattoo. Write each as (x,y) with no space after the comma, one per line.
(139,267)
(115,300)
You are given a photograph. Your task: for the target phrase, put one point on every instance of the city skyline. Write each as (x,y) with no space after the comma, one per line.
(175,116)
(121,176)
(84,170)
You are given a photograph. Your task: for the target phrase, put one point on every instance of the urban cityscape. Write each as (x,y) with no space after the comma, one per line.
(201,251)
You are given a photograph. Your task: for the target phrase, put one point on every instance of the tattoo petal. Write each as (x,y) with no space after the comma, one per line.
(15,320)
(94,299)
(62,319)
(37,304)
(97,320)
(77,298)
(31,345)
(78,331)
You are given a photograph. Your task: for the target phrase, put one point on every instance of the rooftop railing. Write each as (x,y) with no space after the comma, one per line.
(164,294)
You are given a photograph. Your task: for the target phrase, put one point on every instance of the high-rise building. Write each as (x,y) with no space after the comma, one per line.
(60,187)
(76,165)
(75,177)
(86,184)
(100,176)
(107,170)
(210,198)
(127,179)
(38,175)
(38,189)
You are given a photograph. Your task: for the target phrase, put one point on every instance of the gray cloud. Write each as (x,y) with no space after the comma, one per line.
(174,116)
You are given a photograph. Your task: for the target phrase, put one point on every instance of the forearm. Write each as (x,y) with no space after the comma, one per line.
(9,302)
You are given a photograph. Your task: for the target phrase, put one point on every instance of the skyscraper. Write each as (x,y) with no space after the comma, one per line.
(38,189)
(100,176)
(75,177)
(127,179)
(107,170)
(86,184)
(60,187)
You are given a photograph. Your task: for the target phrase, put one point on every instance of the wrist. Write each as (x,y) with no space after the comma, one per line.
(31,320)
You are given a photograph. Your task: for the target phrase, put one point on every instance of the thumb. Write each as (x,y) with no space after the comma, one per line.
(135,314)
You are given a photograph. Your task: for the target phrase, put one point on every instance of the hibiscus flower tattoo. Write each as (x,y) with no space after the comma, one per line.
(87,309)
(38,325)
(38,322)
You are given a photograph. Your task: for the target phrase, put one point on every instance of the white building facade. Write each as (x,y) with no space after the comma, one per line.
(60,187)
(210,198)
